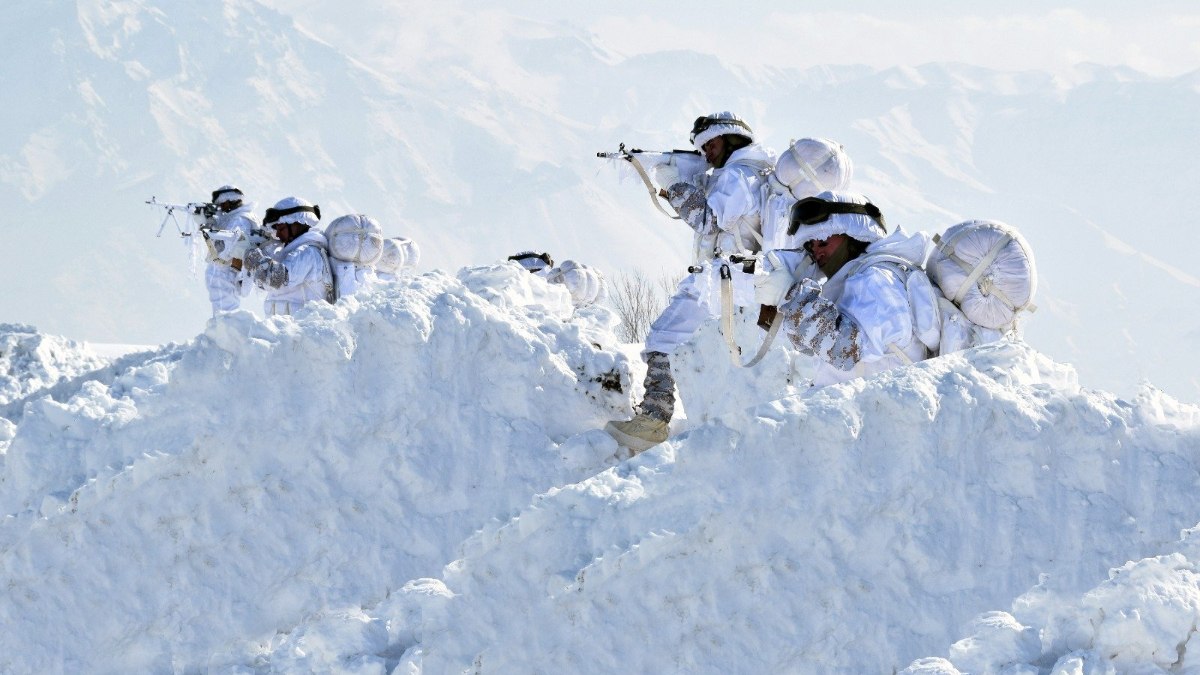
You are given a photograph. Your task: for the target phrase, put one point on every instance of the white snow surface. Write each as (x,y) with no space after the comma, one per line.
(414,481)
(473,131)
(30,361)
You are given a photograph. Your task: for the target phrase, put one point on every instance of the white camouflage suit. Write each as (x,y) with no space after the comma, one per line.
(225,289)
(724,212)
(878,312)
(296,273)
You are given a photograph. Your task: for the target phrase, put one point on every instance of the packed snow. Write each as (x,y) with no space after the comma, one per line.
(414,481)
(474,131)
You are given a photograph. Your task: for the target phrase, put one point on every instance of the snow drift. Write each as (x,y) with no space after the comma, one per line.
(278,467)
(413,481)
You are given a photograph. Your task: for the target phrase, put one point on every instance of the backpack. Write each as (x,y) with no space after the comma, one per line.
(985,272)
(809,166)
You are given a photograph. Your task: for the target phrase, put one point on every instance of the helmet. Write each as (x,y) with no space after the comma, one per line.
(709,127)
(398,253)
(355,238)
(829,213)
(293,210)
(534,262)
(226,193)
(813,165)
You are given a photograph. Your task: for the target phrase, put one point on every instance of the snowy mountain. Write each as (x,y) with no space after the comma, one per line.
(474,132)
(414,481)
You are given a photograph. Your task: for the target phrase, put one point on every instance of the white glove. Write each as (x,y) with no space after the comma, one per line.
(238,248)
(770,289)
(667,173)
(798,261)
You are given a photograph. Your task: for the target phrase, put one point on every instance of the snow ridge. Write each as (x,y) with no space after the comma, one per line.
(413,481)
(278,467)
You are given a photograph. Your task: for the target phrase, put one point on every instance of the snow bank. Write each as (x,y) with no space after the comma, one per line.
(850,530)
(207,502)
(1140,620)
(413,481)
(30,361)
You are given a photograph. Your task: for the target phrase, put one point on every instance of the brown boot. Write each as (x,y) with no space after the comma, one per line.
(640,433)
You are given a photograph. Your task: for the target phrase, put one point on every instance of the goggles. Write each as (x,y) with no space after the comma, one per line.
(274,215)
(813,210)
(544,257)
(703,124)
(217,194)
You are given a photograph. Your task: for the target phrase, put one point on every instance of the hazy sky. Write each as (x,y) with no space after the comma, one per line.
(1158,38)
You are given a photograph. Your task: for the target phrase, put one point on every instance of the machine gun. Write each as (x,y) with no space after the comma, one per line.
(201,217)
(199,214)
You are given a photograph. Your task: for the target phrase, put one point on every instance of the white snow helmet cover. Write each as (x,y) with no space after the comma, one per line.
(854,225)
(226,193)
(986,268)
(355,238)
(813,165)
(709,127)
(293,210)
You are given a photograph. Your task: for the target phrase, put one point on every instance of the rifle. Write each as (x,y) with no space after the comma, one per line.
(690,163)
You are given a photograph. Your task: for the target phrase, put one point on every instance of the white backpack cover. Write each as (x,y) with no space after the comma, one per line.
(986,269)
(399,253)
(809,167)
(585,284)
(355,238)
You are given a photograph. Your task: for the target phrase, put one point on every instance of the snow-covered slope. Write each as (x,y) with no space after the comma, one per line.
(275,468)
(1141,619)
(414,481)
(474,132)
(30,361)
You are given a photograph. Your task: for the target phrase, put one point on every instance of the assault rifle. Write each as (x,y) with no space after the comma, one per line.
(689,162)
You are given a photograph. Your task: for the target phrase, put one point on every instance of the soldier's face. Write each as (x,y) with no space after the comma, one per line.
(714,152)
(831,254)
(284,232)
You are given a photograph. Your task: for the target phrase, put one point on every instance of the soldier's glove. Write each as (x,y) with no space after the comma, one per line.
(252,259)
(770,289)
(270,274)
(784,269)
(666,174)
(239,248)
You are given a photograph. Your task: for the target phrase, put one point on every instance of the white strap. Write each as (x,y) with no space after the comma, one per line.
(735,352)
(900,352)
(727,313)
(776,323)
(654,196)
(978,270)
(807,169)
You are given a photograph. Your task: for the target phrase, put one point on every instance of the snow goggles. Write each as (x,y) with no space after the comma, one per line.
(704,123)
(217,194)
(813,210)
(273,215)
(544,257)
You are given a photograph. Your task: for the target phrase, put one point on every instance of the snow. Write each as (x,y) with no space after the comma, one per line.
(474,133)
(414,481)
